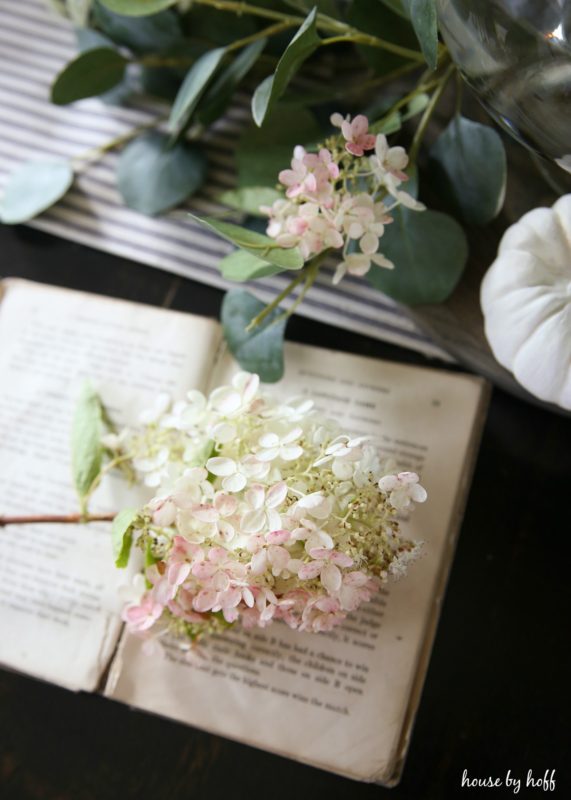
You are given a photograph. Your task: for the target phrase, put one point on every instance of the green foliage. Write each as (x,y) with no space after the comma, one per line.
(303,44)
(220,93)
(250,198)
(263,152)
(137,8)
(255,243)
(86,447)
(153,178)
(400,7)
(32,188)
(122,535)
(429,251)
(259,350)
(155,33)
(91,73)
(425,24)
(192,90)
(469,164)
(242,266)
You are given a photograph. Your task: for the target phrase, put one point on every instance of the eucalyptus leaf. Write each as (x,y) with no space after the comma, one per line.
(153,178)
(242,266)
(137,8)
(416,106)
(150,34)
(263,152)
(192,89)
(429,251)
(425,24)
(303,44)
(220,94)
(86,447)
(91,73)
(260,350)
(122,535)
(32,188)
(257,244)
(469,162)
(250,198)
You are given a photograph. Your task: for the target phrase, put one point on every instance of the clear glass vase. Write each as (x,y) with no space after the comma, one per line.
(516,55)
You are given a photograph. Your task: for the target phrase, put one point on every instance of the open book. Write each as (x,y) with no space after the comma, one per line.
(343,701)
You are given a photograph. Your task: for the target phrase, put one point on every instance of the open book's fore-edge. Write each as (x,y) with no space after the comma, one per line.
(393,763)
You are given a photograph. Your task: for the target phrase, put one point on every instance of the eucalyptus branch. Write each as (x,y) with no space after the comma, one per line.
(429,110)
(312,270)
(118,141)
(345,33)
(71,519)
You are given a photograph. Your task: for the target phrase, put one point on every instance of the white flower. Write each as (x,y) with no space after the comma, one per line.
(403,489)
(262,508)
(231,401)
(343,452)
(388,164)
(274,445)
(154,467)
(160,405)
(236,474)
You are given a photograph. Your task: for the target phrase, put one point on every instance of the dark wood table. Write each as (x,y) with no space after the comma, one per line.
(498,681)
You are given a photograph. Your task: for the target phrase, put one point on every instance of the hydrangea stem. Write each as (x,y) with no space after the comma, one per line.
(429,110)
(70,519)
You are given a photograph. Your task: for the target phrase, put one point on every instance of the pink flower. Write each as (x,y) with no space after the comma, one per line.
(355,133)
(142,616)
(403,489)
(356,588)
(321,614)
(326,565)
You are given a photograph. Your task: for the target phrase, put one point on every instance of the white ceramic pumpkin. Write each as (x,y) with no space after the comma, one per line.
(526,300)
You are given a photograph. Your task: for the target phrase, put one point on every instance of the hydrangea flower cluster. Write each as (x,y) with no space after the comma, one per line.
(263,511)
(340,198)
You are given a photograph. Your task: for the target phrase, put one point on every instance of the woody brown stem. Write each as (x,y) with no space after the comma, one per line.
(31,519)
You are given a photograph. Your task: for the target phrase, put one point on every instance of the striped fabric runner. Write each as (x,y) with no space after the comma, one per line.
(34,46)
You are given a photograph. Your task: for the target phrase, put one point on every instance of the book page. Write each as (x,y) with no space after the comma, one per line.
(343,700)
(59,604)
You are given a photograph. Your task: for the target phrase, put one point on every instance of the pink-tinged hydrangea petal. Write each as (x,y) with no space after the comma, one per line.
(225,504)
(226,530)
(205,600)
(203,570)
(309,571)
(278,537)
(274,520)
(259,562)
(220,581)
(331,578)
(320,552)
(276,495)
(163,591)
(255,543)
(235,482)
(165,514)
(248,597)
(354,149)
(341,559)
(318,539)
(177,573)
(279,558)
(230,614)
(355,579)
(205,513)
(408,477)
(221,466)
(359,126)
(225,400)
(418,493)
(328,605)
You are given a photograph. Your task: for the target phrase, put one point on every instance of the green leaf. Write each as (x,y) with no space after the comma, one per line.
(86,447)
(303,44)
(263,152)
(152,178)
(91,73)
(192,89)
(255,243)
(469,164)
(416,106)
(220,93)
(242,266)
(32,188)
(387,125)
(429,251)
(250,198)
(425,24)
(122,535)
(137,8)
(260,350)
(88,39)
(141,35)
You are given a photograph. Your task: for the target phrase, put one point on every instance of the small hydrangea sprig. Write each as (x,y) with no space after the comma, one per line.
(336,200)
(262,511)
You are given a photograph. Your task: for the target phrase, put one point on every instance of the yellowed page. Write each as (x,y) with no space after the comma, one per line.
(341,701)
(59,608)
